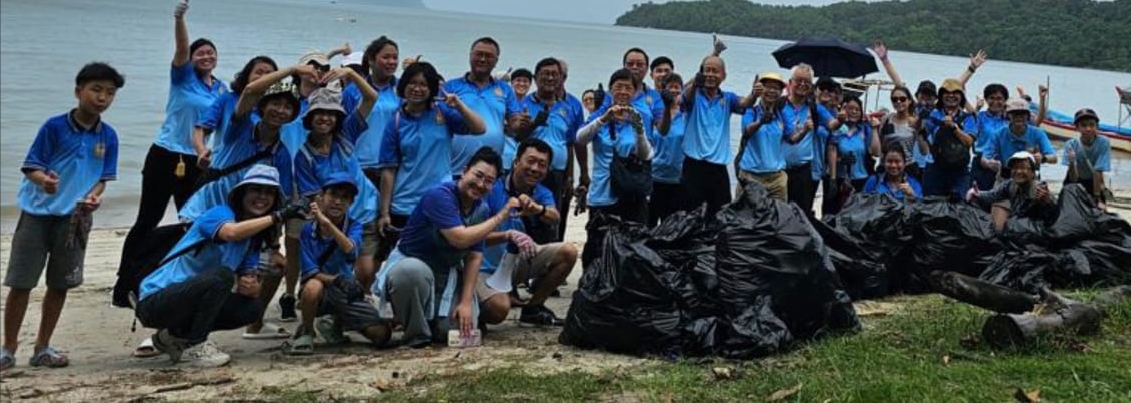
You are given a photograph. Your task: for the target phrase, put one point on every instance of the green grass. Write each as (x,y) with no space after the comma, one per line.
(898,357)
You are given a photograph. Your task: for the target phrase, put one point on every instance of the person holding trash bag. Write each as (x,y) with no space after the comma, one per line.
(1020,196)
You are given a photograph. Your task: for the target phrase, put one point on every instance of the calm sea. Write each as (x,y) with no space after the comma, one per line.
(43,43)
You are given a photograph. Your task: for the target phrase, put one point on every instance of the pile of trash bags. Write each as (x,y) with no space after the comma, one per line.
(761,275)
(746,283)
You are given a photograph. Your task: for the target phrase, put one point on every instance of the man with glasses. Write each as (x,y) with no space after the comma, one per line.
(799,111)
(1018,136)
(491,98)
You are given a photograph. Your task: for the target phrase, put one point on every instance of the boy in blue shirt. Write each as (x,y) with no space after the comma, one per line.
(1088,157)
(65,173)
(329,248)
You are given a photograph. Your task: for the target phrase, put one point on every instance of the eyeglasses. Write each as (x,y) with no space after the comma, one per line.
(899,99)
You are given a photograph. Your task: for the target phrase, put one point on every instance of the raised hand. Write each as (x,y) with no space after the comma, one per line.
(881,50)
(180,10)
(718,44)
(977,59)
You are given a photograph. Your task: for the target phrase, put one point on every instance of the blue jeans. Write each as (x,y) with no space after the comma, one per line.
(939,181)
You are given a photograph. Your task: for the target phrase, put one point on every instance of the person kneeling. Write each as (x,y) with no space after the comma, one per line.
(208,281)
(329,247)
(513,257)
(1018,197)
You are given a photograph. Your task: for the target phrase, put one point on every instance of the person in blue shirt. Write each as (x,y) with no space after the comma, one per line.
(706,140)
(430,277)
(492,99)
(1018,135)
(667,164)
(170,169)
(379,62)
(828,107)
(660,68)
(1089,157)
(801,113)
(331,243)
(618,137)
(209,281)
(555,122)
(851,146)
(512,255)
(416,147)
(990,122)
(520,82)
(1020,196)
(65,173)
(217,118)
(760,158)
(950,133)
(894,180)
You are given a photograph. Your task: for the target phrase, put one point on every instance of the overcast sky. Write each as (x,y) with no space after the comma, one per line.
(594,11)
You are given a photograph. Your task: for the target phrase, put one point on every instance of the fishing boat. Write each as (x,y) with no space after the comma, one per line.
(1064,131)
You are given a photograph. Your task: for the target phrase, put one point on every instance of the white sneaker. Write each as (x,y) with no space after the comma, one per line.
(206,355)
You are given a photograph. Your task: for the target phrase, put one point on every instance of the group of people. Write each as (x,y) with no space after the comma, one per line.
(440,197)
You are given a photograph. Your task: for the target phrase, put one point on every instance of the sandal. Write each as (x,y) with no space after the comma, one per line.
(146,349)
(269,331)
(48,357)
(7,359)
(302,345)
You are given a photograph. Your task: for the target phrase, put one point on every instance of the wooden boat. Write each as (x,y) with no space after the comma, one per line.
(1062,132)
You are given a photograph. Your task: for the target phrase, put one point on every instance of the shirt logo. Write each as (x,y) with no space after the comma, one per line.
(99,150)
(648,99)
(562,112)
(498,91)
(439,117)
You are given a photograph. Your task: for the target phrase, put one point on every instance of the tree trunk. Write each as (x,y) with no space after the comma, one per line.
(1056,314)
(981,293)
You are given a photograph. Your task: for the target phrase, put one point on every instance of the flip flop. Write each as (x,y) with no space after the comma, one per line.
(50,358)
(7,360)
(146,349)
(302,345)
(269,331)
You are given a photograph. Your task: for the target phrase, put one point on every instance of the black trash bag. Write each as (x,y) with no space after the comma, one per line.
(859,267)
(876,221)
(1076,216)
(1108,264)
(755,332)
(628,300)
(685,241)
(1032,270)
(947,236)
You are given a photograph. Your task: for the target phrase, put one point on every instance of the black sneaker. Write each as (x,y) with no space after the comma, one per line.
(287,306)
(539,315)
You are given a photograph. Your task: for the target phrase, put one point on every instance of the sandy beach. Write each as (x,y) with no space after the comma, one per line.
(98,339)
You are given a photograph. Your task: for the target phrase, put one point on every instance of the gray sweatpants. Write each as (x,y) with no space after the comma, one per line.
(412,290)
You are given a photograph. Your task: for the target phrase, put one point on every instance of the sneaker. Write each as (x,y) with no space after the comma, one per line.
(207,355)
(287,306)
(172,345)
(330,331)
(539,315)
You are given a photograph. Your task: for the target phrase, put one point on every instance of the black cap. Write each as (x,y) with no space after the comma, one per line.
(1085,114)
(926,86)
(827,83)
(522,73)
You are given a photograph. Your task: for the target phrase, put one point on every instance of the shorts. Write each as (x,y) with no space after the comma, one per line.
(776,183)
(524,269)
(39,241)
(369,239)
(351,316)
(1007,205)
(294,227)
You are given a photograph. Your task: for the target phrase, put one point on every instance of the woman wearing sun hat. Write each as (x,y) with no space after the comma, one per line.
(949,134)
(760,157)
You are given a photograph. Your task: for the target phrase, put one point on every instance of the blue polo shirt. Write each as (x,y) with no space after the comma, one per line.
(312,169)
(80,156)
(189,97)
(877,185)
(600,187)
(820,140)
(217,118)
(967,121)
(238,144)
(293,134)
(1098,156)
(368,146)
(707,137)
(420,148)
(312,245)
(439,210)
(667,158)
(496,201)
(238,256)
(647,99)
(1006,143)
(763,152)
(988,126)
(802,152)
(852,140)
(560,130)
(494,103)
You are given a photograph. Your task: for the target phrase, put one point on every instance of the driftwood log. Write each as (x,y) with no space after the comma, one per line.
(1021,318)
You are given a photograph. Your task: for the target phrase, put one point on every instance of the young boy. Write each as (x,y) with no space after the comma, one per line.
(65,172)
(329,246)
(1089,157)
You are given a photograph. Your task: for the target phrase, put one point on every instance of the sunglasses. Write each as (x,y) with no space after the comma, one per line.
(320,67)
(899,99)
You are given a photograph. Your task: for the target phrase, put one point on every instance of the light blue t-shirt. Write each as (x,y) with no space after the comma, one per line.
(763,153)
(560,130)
(494,103)
(600,187)
(420,148)
(218,117)
(496,201)
(988,126)
(1098,156)
(802,152)
(293,134)
(368,145)
(1005,143)
(312,169)
(189,98)
(81,157)
(877,185)
(312,246)
(707,133)
(238,256)
(820,140)
(852,140)
(667,158)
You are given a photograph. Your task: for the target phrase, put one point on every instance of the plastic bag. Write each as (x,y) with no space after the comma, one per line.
(860,268)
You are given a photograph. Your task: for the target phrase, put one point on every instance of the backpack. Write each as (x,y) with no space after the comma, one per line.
(948,150)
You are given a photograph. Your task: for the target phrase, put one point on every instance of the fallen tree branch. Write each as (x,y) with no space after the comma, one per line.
(981,293)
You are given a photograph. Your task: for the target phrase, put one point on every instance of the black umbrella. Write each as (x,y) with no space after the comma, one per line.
(829,57)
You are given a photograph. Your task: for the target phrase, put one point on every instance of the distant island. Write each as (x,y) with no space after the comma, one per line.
(1077,33)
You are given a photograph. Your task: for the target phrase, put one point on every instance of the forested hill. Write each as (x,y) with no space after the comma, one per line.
(1077,33)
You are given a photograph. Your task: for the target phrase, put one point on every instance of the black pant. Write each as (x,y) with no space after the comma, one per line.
(201,305)
(800,186)
(628,210)
(388,240)
(666,199)
(158,183)
(555,181)
(705,182)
